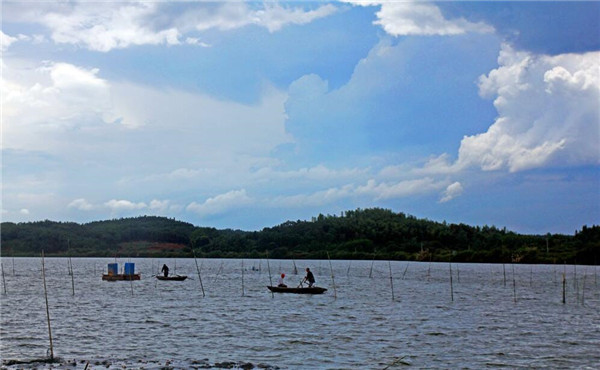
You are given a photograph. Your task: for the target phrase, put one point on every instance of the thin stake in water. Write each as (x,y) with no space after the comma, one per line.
(391,279)
(575,282)
(583,289)
(47,309)
(504,272)
(451,285)
(219,271)
(3,279)
(242,277)
(514,283)
(564,288)
(371,271)
(72,277)
(406,269)
(332,278)
(429,267)
(198,270)
(531,276)
(131,280)
(270,279)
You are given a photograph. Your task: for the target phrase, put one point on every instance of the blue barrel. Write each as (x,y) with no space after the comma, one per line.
(113,268)
(129,268)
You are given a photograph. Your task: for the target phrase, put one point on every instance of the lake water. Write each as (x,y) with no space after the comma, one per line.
(151,324)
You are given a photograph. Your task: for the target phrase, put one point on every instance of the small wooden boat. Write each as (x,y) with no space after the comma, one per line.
(298,290)
(120,277)
(172,277)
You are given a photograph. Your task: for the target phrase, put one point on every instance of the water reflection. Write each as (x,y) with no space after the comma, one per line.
(128,322)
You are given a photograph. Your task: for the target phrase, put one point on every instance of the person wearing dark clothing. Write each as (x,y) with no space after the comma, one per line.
(309,278)
(165,270)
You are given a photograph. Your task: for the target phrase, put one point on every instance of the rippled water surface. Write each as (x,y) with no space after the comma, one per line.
(481,321)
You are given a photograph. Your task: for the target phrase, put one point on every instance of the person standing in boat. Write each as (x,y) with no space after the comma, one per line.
(281,284)
(165,270)
(309,278)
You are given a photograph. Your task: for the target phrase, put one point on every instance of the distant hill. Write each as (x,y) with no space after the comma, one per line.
(359,234)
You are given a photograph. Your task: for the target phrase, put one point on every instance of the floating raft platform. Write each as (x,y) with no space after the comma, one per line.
(120,277)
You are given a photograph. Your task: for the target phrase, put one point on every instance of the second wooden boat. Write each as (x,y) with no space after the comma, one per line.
(298,290)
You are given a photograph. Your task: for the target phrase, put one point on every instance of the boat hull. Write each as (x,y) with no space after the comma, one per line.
(301,290)
(172,278)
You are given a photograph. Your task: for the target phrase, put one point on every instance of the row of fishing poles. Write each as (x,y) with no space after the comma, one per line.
(391,278)
(71,273)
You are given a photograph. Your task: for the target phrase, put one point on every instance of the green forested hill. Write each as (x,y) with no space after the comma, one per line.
(359,234)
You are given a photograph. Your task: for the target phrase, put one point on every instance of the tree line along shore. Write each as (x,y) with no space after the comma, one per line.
(373,233)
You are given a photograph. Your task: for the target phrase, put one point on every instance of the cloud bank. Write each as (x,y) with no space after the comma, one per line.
(404,18)
(102,28)
(547,113)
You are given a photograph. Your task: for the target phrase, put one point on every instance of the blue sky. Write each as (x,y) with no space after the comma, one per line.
(247,114)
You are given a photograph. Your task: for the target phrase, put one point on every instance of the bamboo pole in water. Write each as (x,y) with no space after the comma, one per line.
(575,282)
(219,271)
(391,279)
(131,280)
(514,283)
(47,309)
(371,270)
(270,279)
(531,277)
(504,272)
(564,288)
(3,279)
(429,267)
(348,271)
(295,268)
(583,290)
(451,285)
(198,270)
(406,269)
(332,278)
(72,277)
(242,277)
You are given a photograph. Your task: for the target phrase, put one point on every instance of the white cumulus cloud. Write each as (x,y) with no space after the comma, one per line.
(6,41)
(452,191)
(547,113)
(124,205)
(221,203)
(104,26)
(81,204)
(401,18)
(41,100)
(372,190)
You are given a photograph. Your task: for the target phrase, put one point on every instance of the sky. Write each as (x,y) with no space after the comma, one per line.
(245,115)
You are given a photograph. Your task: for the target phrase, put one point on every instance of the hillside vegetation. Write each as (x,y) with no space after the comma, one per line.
(359,234)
